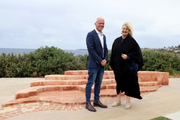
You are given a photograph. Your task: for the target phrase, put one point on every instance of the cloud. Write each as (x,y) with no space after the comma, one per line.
(65,23)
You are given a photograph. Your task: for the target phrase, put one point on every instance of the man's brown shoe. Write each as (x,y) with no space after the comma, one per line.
(90,107)
(99,104)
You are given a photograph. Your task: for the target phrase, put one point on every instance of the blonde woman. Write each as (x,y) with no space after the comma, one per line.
(126,60)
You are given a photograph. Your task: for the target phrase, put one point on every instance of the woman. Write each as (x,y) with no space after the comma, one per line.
(126,60)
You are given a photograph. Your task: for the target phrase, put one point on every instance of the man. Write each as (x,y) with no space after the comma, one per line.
(97,59)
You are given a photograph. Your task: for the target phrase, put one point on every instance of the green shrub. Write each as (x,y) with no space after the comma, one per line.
(3,65)
(175,62)
(13,65)
(83,61)
(8,65)
(158,61)
(24,67)
(52,60)
(107,65)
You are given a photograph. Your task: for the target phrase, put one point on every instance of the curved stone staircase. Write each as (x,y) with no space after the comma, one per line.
(70,88)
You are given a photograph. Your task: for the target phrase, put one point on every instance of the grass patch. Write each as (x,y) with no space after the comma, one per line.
(175,72)
(161,118)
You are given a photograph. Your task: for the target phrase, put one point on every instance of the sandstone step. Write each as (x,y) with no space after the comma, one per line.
(60,97)
(59,82)
(113,86)
(103,86)
(65,77)
(82,82)
(143,76)
(85,72)
(73,77)
(56,88)
(76,72)
(38,89)
(68,85)
(148,83)
(148,88)
(161,77)
(147,76)
(67,82)
(108,81)
(70,97)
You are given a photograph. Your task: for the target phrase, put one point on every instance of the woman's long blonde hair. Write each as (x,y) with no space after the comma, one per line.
(129,25)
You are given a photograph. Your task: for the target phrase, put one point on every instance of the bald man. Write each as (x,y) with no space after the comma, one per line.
(97,59)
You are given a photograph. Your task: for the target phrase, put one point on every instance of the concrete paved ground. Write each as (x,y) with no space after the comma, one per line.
(10,86)
(163,102)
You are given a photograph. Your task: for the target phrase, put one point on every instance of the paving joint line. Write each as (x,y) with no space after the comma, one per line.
(15,110)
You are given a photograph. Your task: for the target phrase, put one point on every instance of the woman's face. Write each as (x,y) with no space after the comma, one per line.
(125,30)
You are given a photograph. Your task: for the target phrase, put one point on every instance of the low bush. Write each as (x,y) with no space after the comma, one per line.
(158,61)
(52,60)
(44,61)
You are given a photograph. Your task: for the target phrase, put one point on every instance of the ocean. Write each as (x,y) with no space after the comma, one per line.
(22,51)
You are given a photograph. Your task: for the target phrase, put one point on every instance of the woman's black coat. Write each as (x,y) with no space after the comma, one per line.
(126,79)
(129,47)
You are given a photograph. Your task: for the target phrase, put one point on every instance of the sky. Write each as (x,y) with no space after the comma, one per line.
(65,23)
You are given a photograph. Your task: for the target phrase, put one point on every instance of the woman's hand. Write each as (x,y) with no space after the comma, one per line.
(124,56)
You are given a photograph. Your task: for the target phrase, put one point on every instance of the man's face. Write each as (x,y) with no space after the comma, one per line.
(99,25)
